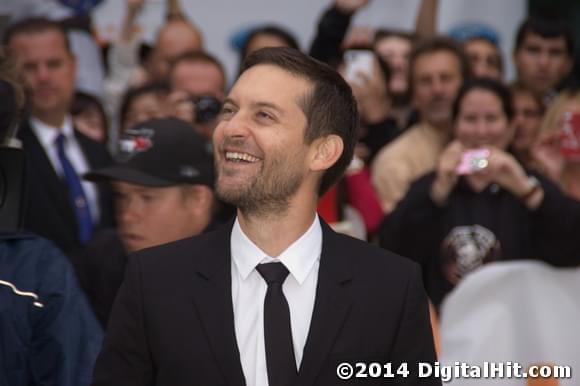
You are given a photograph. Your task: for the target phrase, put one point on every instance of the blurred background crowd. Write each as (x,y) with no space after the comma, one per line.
(115,134)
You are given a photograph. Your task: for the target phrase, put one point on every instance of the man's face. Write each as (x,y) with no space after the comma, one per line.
(437,78)
(198,78)
(149,216)
(542,63)
(48,69)
(484,58)
(259,146)
(174,39)
(527,120)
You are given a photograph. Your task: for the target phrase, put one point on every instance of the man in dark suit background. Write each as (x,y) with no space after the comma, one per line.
(276,297)
(58,205)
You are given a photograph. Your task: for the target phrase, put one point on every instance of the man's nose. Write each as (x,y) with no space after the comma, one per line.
(237,126)
(42,73)
(127,212)
(543,59)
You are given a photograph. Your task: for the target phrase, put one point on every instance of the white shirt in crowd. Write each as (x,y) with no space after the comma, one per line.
(47,137)
(302,259)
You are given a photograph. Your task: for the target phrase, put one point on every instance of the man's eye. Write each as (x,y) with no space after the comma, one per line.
(226,111)
(264,115)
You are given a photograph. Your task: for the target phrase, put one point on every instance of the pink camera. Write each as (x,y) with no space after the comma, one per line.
(473,161)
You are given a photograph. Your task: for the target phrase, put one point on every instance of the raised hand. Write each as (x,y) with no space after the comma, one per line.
(350,6)
(447,172)
(370,91)
(133,6)
(547,154)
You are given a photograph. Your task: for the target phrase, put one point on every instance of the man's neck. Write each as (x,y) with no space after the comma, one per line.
(52,119)
(273,233)
(444,127)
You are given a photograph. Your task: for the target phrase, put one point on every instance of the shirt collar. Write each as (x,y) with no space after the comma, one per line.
(47,134)
(299,258)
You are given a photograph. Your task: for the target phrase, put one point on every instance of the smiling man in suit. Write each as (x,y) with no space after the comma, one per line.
(276,297)
(58,205)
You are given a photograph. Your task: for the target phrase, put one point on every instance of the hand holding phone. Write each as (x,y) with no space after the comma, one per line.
(472,161)
(358,61)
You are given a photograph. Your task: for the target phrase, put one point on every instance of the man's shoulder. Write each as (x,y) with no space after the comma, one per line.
(370,260)
(400,148)
(199,250)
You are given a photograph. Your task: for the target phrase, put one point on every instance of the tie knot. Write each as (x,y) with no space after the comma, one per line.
(60,140)
(273,272)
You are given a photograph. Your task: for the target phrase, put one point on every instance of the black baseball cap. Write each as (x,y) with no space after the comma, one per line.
(158,153)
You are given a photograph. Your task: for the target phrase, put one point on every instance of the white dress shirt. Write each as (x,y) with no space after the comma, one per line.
(47,137)
(302,259)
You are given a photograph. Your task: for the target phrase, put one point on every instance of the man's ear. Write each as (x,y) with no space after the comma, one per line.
(204,196)
(326,151)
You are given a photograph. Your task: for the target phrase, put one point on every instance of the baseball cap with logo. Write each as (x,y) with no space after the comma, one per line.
(158,153)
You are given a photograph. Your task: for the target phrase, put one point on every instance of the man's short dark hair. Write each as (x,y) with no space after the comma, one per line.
(195,57)
(34,26)
(435,45)
(272,30)
(330,107)
(547,28)
(384,33)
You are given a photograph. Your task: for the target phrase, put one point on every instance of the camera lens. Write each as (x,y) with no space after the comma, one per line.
(207,108)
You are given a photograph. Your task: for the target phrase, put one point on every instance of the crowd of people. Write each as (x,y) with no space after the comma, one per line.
(428,152)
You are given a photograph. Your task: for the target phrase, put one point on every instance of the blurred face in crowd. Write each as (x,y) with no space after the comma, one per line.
(542,63)
(198,78)
(436,81)
(91,123)
(484,58)
(150,216)
(527,120)
(143,107)
(48,69)
(259,146)
(263,40)
(176,38)
(481,121)
(395,51)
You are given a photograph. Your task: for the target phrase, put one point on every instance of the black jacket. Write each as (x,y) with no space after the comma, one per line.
(430,234)
(173,321)
(47,208)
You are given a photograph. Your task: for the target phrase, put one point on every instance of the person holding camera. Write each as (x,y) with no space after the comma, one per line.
(197,81)
(481,205)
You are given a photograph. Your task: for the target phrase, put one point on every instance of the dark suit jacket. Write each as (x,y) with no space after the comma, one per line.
(173,324)
(47,209)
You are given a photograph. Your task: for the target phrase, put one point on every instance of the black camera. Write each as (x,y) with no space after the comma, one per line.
(11,162)
(207,108)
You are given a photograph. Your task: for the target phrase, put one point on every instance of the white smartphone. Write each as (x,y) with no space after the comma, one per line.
(358,61)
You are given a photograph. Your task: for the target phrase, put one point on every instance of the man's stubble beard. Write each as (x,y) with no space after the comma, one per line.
(266,194)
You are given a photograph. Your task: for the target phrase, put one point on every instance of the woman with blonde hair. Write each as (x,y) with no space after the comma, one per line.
(557,151)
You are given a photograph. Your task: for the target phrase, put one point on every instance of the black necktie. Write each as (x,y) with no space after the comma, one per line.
(280,359)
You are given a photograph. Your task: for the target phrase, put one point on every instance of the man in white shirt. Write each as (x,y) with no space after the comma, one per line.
(276,297)
(59,206)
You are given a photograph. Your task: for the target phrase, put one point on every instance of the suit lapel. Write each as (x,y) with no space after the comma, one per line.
(40,168)
(213,298)
(333,301)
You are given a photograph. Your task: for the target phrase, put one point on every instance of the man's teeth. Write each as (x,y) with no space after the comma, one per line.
(232,156)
